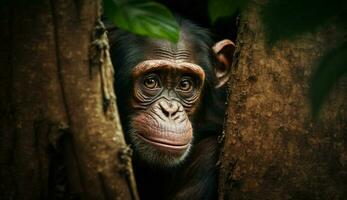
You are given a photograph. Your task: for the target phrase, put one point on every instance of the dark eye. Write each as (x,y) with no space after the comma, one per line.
(151,82)
(185,85)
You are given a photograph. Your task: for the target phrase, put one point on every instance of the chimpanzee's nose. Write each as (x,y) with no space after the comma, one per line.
(169,108)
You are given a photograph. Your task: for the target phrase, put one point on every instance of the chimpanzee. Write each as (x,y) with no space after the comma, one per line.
(171,102)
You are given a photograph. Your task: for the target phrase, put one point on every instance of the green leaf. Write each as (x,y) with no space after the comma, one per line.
(332,67)
(143,17)
(285,19)
(224,8)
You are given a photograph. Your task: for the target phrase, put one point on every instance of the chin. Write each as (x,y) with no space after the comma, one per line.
(156,154)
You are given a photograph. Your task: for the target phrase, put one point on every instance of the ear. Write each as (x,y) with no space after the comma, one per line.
(224,51)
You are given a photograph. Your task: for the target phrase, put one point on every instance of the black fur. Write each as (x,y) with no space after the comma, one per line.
(196,178)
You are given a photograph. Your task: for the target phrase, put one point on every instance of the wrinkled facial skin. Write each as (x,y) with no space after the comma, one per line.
(166,91)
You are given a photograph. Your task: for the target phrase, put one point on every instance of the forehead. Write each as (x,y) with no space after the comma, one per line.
(176,52)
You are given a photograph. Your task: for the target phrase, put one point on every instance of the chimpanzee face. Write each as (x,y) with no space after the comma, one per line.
(167,87)
(160,86)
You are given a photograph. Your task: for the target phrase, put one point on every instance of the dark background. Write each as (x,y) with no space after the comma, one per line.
(196,11)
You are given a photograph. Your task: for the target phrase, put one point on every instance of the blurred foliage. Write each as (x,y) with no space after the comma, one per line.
(142,17)
(332,67)
(285,19)
(224,8)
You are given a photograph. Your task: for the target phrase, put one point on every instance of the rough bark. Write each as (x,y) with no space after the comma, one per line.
(273,149)
(60,132)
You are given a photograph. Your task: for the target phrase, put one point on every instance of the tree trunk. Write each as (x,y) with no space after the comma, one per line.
(273,149)
(60,132)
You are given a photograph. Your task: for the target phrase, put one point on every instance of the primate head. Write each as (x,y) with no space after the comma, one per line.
(162,86)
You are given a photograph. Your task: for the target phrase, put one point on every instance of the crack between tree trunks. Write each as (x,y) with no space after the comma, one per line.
(61,83)
(11,32)
(12,108)
(37,134)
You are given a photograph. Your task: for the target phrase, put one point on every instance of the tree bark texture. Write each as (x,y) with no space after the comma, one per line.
(273,149)
(60,132)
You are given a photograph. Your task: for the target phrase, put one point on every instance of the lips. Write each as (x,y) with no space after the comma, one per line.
(166,136)
(166,146)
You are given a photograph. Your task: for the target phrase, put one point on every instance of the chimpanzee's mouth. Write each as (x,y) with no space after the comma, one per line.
(165,146)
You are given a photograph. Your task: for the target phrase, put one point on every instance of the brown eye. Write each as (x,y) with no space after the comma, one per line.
(185,85)
(151,82)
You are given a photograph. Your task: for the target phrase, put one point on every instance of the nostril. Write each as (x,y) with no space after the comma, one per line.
(165,109)
(166,113)
(176,116)
(169,109)
(174,113)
